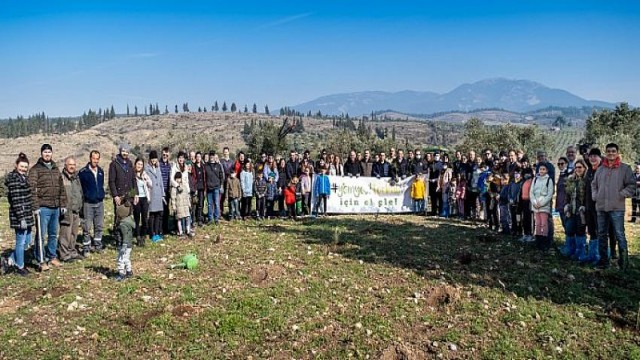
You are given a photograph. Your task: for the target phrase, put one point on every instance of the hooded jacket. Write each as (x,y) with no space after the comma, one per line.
(46,185)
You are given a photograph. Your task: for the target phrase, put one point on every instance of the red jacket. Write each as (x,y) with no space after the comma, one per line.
(290,195)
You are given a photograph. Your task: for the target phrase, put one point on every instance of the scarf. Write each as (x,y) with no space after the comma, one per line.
(612,165)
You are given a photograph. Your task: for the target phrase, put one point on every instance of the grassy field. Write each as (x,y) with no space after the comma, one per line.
(387,287)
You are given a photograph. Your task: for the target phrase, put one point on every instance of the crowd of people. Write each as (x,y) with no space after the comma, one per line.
(157,195)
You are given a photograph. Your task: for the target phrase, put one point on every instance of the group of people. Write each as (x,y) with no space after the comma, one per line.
(156,196)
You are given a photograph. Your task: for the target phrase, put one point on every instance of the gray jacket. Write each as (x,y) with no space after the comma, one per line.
(611,186)
(156,196)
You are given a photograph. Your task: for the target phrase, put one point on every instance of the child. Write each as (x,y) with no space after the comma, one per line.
(524,205)
(417,194)
(514,198)
(246,184)
(290,199)
(493,191)
(322,190)
(453,200)
(234,192)
(260,188)
(305,183)
(540,194)
(444,183)
(124,211)
(461,194)
(181,205)
(503,202)
(271,196)
(298,195)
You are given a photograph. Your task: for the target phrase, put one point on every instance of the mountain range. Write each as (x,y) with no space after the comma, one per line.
(512,95)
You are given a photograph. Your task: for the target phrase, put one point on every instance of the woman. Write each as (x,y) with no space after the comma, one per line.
(271,169)
(141,208)
(575,188)
(20,213)
(540,196)
(335,168)
(281,180)
(155,196)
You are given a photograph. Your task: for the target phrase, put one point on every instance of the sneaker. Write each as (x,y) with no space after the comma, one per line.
(44,267)
(121,277)
(22,272)
(55,262)
(156,238)
(530,239)
(129,274)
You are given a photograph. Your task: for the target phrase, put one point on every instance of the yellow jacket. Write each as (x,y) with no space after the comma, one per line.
(418,190)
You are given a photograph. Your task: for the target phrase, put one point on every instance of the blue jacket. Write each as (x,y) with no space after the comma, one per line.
(92,187)
(322,185)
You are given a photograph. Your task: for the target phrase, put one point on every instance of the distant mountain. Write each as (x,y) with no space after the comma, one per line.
(511,95)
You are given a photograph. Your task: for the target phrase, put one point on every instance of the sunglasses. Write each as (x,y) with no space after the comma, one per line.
(612,151)
(579,167)
(561,164)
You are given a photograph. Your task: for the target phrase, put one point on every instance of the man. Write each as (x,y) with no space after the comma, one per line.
(70,222)
(50,201)
(352,167)
(392,154)
(367,164)
(215,179)
(435,168)
(571,154)
(418,165)
(323,158)
(292,167)
(457,164)
(200,181)
(122,184)
(613,182)
(165,169)
(192,158)
(635,201)
(488,158)
(92,180)
(228,166)
(401,166)
(512,163)
(382,168)
(307,156)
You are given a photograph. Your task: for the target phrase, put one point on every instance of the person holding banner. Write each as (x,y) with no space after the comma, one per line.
(352,167)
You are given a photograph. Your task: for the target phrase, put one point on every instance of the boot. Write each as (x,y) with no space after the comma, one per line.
(594,253)
(623,261)
(612,248)
(569,248)
(141,241)
(581,244)
(540,242)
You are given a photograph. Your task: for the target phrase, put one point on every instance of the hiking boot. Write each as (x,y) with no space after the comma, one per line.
(141,241)
(129,274)
(22,272)
(120,277)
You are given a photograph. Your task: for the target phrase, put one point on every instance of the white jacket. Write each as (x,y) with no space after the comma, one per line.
(541,193)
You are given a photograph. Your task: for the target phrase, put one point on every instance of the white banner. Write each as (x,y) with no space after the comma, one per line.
(358,195)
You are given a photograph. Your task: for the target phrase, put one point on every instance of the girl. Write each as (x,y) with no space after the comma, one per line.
(540,194)
(181,205)
(281,180)
(141,208)
(305,183)
(290,198)
(461,194)
(20,213)
(246,184)
(260,189)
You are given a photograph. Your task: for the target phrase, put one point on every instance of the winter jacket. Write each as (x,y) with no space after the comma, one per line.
(613,182)
(46,186)
(418,189)
(382,169)
(298,191)
(336,170)
(541,194)
(198,176)
(92,185)
(156,197)
(514,192)
(290,195)
(214,175)
(353,168)
(576,189)
(367,168)
(292,169)
(228,165)
(275,172)
(238,166)
(233,189)
(401,168)
(417,166)
(73,188)
(504,195)
(280,178)
(260,187)
(186,176)
(560,191)
(122,180)
(165,169)
(444,180)
(272,191)
(246,183)
(590,203)
(305,182)
(525,192)
(322,186)
(461,190)
(180,201)
(20,198)
(145,183)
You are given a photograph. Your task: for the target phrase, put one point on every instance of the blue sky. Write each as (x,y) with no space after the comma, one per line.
(63,57)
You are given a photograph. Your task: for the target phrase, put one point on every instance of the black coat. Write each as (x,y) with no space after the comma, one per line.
(353,168)
(20,199)
(122,179)
(214,173)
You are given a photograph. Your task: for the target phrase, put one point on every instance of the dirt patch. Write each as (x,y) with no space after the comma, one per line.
(264,274)
(402,352)
(56,292)
(9,306)
(442,296)
(183,311)
(141,321)
(30,294)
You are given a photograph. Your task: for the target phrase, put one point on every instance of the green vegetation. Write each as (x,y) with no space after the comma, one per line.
(621,125)
(338,287)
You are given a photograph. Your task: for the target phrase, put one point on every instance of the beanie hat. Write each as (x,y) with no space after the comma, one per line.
(45,147)
(124,146)
(595,151)
(153,154)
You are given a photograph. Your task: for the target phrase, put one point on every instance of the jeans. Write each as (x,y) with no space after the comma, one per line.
(418,206)
(213,204)
(23,239)
(616,220)
(49,218)
(93,216)
(234,208)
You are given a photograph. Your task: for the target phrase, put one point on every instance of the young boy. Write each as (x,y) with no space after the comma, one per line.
(503,202)
(271,195)
(234,192)
(124,211)
(492,195)
(290,199)
(417,194)
(322,190)
(298,195)
(260,188)
(181,206)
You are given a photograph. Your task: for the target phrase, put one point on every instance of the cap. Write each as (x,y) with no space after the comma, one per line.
(45,147)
